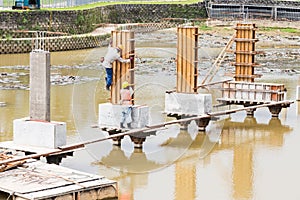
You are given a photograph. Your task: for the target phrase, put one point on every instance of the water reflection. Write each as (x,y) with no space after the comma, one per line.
(231,161)
(16,107)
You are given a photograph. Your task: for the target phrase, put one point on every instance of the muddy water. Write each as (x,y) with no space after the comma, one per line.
(239,157)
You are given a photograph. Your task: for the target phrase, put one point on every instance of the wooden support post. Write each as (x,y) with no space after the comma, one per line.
(187,59)
(122,71)
(245,52)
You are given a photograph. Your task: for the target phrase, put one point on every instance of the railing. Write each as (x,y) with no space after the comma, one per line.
(265,9)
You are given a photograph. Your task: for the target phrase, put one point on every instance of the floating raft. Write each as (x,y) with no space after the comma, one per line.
(34,179)
(38,180)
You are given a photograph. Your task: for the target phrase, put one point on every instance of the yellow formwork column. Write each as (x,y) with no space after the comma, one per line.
(245,52)
(187,59)
(122,71)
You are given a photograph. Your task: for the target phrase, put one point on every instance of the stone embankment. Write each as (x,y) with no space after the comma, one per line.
(70,30)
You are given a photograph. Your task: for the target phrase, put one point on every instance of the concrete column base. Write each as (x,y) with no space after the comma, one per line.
(110,116)
(39,133)
(184,105)
(188,104)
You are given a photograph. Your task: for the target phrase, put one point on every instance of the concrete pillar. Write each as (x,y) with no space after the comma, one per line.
(40,85)
(38,130)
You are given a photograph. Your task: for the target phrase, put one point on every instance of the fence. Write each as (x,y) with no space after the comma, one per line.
(276,10)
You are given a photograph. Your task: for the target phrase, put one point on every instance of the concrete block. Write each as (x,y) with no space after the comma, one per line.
(38,133)
(184,103)
(110,115)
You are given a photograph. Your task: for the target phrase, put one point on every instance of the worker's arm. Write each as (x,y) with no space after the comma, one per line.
(123,60)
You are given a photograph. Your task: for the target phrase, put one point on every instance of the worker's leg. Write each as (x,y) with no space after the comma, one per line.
(128,116)
(123,117)
(109,72)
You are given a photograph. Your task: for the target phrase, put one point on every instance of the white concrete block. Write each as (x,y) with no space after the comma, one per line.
(184,103)
(110,115)
(37,133)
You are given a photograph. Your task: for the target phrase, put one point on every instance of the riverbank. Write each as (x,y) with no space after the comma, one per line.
(156,53)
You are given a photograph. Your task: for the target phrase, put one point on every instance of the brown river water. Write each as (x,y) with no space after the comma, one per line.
(238,157)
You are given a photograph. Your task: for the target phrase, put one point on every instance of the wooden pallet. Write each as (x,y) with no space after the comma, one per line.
(38,180)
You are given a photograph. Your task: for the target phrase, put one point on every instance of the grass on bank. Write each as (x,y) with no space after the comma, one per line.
(281,29)
(99,4)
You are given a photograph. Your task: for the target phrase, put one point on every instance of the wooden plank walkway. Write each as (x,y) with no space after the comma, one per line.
(38,180)
(33,179)
(70,147)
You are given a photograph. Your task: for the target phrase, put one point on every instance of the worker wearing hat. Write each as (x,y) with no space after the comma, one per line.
(126,102)
(113,54)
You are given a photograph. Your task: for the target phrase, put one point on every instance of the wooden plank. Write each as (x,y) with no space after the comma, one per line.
(188,75)
(196,34)
(238,59)
(70,189)
(25,148)
(38,180)
(180,59)
(130,72)
(253,50)
(246,56)
(184,57)
(38,176)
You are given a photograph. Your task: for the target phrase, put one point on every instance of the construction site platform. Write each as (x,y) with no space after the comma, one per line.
(33,179)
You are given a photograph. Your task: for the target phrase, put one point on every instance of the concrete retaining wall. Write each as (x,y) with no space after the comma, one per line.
(15,25)
(84,21)
(62,43)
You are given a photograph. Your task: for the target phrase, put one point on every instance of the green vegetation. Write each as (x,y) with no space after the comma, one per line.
(99,4)
(8,3)
(204,27)
(281,29)
(8,37)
